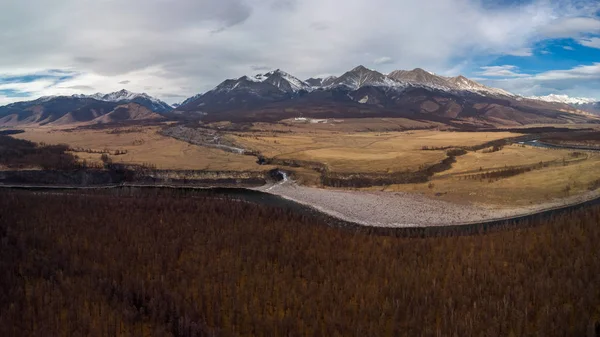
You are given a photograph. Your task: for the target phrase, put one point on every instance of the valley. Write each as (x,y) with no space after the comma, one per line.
(416,177)
(398,149)
(286,168)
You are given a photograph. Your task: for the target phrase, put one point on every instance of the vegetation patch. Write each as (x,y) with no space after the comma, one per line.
(152,265)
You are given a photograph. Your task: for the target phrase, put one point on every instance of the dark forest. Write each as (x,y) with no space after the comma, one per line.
(105,265)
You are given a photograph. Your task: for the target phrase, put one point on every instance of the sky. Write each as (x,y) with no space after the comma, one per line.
(175,49)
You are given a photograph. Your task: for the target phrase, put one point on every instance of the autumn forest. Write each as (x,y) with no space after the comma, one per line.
(96,264)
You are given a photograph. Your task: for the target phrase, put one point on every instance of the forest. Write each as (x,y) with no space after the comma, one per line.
(105,264)
(19,154)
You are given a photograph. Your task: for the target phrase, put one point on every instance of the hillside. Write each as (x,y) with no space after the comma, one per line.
(362,92)
(71,110)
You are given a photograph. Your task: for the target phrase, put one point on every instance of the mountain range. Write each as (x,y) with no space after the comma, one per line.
(362,92)
(276,95)
(83,109)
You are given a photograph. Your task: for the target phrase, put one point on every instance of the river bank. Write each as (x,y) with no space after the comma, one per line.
(385,213)
(405,210)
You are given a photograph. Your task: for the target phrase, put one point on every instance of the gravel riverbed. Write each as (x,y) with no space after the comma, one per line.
(394,209)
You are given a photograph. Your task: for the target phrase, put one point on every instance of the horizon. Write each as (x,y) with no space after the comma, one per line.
(174,103)
(175,51)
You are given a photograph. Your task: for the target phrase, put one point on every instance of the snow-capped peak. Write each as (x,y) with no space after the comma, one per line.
(283,81)
(189,99)
(466,84)
(362,76)
(123,95)
(127,96)
(563,99)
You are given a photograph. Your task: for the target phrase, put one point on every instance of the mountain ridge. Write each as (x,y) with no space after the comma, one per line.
(411,93)
(275,95)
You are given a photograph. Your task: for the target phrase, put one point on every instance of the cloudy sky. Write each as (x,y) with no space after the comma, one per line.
(174,49)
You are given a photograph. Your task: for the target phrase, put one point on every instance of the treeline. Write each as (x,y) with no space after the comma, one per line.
(18,154)
(360,180)
(10,132)
(103,151)
(507,172)
(102,265)
(573,136)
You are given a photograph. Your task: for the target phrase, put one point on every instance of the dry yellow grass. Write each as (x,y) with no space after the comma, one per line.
(356,152)
(533,187)
(366,151)
(348,125)
(145,146)
(512,155)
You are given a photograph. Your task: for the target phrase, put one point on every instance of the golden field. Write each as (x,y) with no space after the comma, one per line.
(382,152)
(355,152)
(558,180)
(143,146)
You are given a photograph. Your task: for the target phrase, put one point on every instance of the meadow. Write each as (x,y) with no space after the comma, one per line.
(142,146)
(461,167)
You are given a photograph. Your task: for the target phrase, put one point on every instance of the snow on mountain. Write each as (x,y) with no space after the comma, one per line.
(362,76)
(321,82)
(125,96)
(563,99)
(274,80)
(422,77)
(188,100)
(284,81)
(463,83)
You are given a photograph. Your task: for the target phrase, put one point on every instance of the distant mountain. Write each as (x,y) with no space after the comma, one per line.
(588,105)
(464,84)
(246,92)
(321,82)
(563,99)
(457,84)
(361,76)
(277,95)
(283,81)
(363,92)
(127,112)
(419,76)
(66,110)
(124,96)
(187,100)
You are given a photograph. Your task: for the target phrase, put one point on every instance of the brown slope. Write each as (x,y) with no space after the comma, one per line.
(127,112)
(420,76)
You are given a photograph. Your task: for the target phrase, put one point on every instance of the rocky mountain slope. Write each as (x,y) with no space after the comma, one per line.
(362,92)
(66,110)
(357,93)
(583,104)
(124,96)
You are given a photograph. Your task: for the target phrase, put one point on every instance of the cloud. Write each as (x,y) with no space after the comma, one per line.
(571,27)
(81,87)
(580,81)
(284,5)
(384,60)
(593,42)
(501,71)
(124,82)
(189,46)
(521,52)
(260,68)
(580,72)
(568,48)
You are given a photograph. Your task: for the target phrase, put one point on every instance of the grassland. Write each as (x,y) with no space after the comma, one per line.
(142,146)
(342,152)
(563,176)
(383,152)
